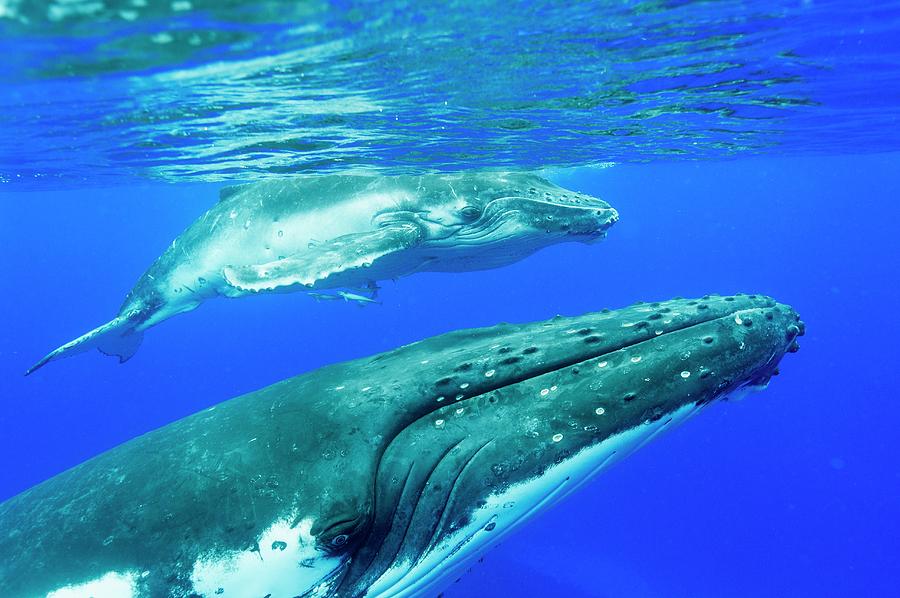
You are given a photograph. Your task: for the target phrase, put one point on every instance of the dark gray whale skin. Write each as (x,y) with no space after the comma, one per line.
(386,456)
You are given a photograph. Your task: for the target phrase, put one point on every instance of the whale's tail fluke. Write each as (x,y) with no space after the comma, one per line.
(116,337)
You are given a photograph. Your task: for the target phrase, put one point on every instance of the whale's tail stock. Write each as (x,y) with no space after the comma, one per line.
(116,337)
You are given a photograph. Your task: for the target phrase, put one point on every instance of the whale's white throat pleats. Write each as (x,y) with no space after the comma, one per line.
(508,510)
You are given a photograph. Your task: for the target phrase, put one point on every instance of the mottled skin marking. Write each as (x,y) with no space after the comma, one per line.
(381,480)
(346,232)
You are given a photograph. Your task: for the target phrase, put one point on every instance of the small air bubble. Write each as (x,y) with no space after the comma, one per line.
(685,374)
(599,410)
(557,437)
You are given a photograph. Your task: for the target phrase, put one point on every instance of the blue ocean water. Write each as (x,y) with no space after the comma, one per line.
(748,146)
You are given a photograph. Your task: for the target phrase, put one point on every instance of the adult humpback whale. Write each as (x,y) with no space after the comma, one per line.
(383,476)
(346,232)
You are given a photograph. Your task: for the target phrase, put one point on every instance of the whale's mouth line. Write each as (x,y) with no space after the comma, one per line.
(484,230)
(493,219)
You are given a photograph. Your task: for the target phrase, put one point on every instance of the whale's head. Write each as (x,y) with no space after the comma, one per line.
(492,219)
(516,417)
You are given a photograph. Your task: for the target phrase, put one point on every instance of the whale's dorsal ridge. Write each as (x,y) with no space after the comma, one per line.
(232,190)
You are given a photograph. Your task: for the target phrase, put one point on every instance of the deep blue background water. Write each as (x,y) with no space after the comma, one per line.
(792,492)
(756,147)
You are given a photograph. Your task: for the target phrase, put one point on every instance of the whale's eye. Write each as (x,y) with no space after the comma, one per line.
(339,540)
(342,531)
(470,213)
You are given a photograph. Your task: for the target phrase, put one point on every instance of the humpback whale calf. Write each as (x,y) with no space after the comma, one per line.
(385,476)
(346,232)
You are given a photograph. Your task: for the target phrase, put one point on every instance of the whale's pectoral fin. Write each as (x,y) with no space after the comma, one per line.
(124,347)
(323,263)
(116,337)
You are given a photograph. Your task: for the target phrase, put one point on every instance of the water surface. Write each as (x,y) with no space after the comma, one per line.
(101,91)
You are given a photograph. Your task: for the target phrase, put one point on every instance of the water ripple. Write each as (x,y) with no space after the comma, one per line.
(103,91)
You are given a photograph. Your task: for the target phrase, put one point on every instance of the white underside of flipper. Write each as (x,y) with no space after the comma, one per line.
(343,261)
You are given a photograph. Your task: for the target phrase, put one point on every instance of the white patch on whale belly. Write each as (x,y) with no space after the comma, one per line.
(287,564)
(508,510)
(111,585)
